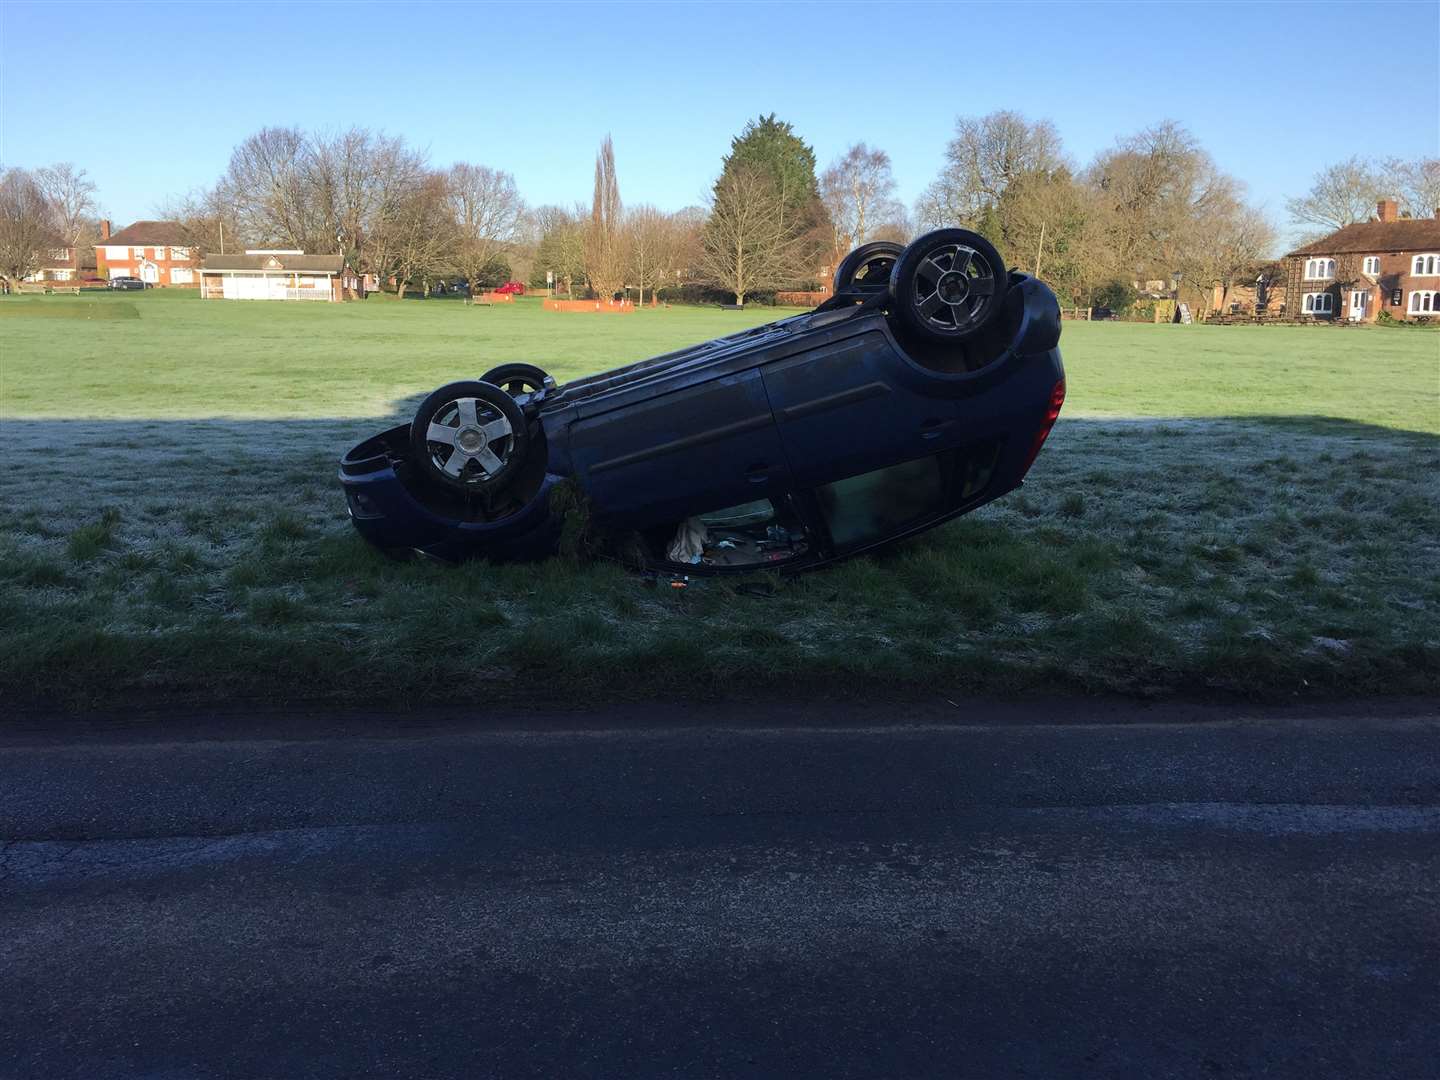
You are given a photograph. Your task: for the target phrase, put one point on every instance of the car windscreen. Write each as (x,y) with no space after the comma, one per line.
(862,509)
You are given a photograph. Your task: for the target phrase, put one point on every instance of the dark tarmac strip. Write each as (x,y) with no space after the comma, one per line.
(1041,890)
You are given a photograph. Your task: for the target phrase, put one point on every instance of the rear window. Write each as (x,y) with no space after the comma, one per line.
(863,509)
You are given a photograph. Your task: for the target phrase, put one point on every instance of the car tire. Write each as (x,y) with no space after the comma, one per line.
(948,285)
(871,263)
(517,379)
(470,437)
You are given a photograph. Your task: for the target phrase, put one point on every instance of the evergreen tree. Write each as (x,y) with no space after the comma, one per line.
(769,148)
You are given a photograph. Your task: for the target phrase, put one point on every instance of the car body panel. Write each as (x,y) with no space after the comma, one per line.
(700,446)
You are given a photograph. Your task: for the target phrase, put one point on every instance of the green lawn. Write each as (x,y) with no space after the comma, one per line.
(1248,509)
(187,358)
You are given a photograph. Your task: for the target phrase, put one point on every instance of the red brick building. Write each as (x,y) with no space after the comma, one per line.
(156,252)
(65,264)
(1389,264)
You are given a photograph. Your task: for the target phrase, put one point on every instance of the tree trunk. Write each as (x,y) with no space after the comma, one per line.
(739,299)
(399,290)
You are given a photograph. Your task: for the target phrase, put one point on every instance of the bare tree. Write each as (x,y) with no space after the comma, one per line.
(858,191)
(420,234)
(1053,227)
(72,199)
(561,245)
(660,244)
(396,172)
(1157,187)
(1416,184)
(750,243)
(605,256)
(1227,246)
(1342,194)
(352,179)
(353,190)
(488,212)
(270,184)
(208,221)
(29,229)
(985,157)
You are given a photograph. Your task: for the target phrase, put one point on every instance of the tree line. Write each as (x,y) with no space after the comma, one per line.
(42,210)
(1155,205)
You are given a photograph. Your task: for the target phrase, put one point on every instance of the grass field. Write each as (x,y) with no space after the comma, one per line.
(1237,509)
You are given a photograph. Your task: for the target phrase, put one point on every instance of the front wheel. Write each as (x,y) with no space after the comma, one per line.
(469,436)
(948,285)
(868,267)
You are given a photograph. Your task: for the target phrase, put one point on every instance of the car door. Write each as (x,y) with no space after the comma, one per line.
(841,411)
(660,457)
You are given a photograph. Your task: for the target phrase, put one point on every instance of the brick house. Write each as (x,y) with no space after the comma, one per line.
(1389,264)
(156,252)
(65,264)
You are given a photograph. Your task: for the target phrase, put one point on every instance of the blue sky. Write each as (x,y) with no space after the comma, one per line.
(151,97)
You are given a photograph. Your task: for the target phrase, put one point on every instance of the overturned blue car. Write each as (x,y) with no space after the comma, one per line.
(923,388)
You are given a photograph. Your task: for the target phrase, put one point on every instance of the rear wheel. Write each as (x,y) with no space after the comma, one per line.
(516,379)
(469,436)
(948,285)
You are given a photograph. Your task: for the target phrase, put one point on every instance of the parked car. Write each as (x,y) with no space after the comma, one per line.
(126,283)
(516,287)
(923,388)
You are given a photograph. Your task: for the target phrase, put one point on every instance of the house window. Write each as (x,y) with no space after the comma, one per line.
(1425,265)
(181,276)
(179,253)
(1371,265)
(1319,269)
(159,253)
(1318,303)
(1424,303)
(1395,295)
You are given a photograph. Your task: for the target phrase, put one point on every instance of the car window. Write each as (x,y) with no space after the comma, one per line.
(758,533)
(861,509)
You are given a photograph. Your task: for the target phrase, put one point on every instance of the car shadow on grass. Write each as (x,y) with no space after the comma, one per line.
(195,558)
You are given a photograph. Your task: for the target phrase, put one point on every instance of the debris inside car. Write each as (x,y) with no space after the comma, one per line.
(923,388)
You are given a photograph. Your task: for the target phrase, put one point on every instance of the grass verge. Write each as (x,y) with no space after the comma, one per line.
(1144,558)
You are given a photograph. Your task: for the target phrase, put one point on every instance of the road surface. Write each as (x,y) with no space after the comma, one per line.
(891,891)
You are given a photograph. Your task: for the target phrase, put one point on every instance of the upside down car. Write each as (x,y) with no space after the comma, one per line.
(922,388)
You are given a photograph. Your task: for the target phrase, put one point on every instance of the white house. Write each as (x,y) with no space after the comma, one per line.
(277,274)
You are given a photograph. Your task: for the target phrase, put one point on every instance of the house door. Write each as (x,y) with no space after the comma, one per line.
(149,273)
(1359,304)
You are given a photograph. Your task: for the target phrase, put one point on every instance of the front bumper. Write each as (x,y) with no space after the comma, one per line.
(392,517)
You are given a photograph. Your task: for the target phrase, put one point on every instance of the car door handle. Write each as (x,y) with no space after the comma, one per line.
(758,473)
(934,427)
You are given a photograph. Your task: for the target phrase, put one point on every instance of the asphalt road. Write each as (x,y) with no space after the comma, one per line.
(897,891)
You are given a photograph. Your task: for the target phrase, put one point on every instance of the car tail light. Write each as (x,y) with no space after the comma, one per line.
(1052,413)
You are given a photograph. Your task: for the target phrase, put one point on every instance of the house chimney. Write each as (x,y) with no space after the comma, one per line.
(104,228)
(1389,209)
